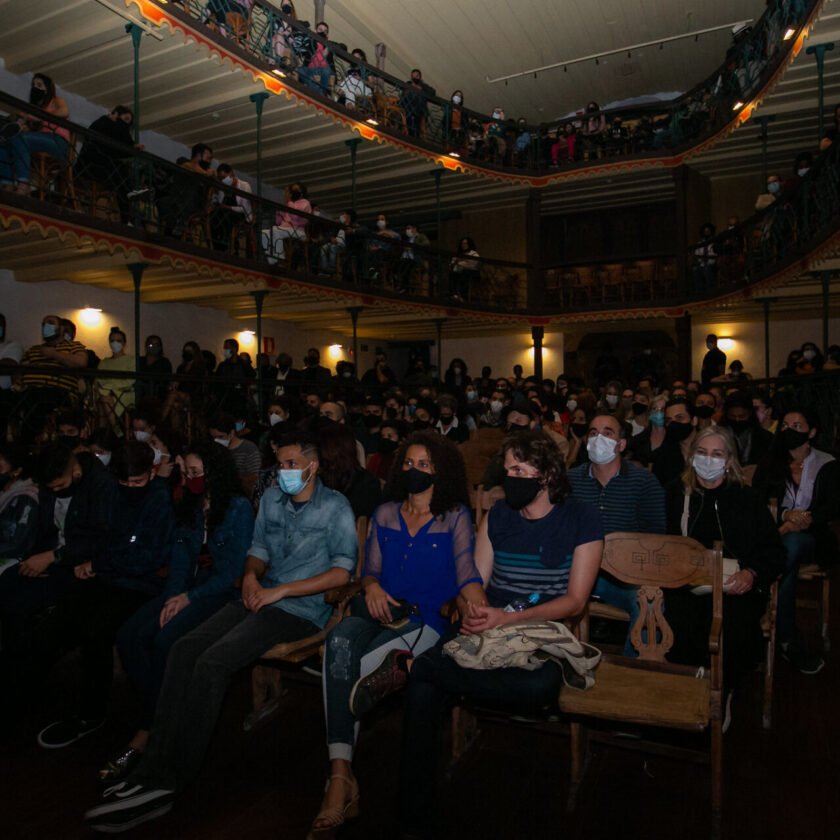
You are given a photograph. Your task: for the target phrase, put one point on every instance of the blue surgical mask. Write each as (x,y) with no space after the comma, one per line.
(773,187)
(239,425)
(292,482)
(49,330)
(657,419)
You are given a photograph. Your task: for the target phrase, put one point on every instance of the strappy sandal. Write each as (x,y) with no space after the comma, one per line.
(333,818)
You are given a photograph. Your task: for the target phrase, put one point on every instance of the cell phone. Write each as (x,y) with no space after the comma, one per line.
(397,623)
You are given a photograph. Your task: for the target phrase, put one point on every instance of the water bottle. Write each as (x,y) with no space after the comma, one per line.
(521,604)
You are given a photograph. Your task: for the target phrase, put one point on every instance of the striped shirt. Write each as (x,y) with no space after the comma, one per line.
(535,555)
(247,458)
(633,499)
(36,357)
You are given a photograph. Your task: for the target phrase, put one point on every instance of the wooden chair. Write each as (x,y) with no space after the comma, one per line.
(239,26)
(483,500)
(478,451)
(813,573)
(50,174)
(583,282)
(197,225)
(640,277)
(749,473)
(611,279)
(388,112)
(649,691)
(266,680)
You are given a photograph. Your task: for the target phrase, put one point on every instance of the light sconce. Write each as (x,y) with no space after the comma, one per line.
(90,316)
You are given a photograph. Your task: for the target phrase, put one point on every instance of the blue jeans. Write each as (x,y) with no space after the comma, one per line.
(16,155)
(144,645)
(624,597)
(436,680)
(317,78)
(800,550)
(355,647)
(199,669)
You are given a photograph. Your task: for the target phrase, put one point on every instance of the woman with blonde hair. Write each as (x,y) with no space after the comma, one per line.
(710,502)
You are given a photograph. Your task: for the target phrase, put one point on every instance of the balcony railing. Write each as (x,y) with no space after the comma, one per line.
(396,108)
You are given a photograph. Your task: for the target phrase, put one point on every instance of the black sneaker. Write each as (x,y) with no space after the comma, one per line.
(62,733)
(125,807)
(803,660)
(391,675)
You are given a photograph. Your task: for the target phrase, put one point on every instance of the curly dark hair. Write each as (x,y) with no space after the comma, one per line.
(451,482)
(542,453)
(221,482)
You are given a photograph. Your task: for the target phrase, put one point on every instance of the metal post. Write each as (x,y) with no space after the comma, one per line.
(354,318)
(537,334)
(765,304)
(819,51)
(763,136)
(437,174)
(259,298)
(259,100)
(353,145)
(439,327)
(136,34)
(825,277)
(137,270)
(319,10)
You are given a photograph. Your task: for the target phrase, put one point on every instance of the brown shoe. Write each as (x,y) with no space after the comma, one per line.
(391,675)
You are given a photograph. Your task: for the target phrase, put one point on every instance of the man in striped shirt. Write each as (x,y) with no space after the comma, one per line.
(628,496)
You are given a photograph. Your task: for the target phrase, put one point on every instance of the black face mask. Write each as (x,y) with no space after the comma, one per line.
(37,96)
(793,439)
(678,431)
(5,478)
(704,412)
(187,356)
(287,9)
(420,425)
(153,350)
(295,194)
(204,164)
(416,481)
(738,426)
(325,423)
(67,492)
(639,408)
(372,421)
(386,446)
(445,419)
(70,440)
(580,429)
(133,495)
(518,427)
(520,492)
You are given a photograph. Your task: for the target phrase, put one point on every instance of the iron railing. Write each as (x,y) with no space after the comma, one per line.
(395,106)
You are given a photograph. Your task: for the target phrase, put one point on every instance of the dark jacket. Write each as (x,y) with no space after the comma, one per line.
(18,520)
(748,532)
(227,544)
(88,522)
(139,539)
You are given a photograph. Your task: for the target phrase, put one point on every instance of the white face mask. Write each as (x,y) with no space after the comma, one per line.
(612,399)
(228,352)
(708,467)
(601,449)
(104,457)
(571,405)
(809,354)
(344,220)
(223,442)
(158,455)
(142,436)
(803,171)
(456,99)
(227,181)
(116,346)
(497,115)
(496,406)
(381,224)
(274,419)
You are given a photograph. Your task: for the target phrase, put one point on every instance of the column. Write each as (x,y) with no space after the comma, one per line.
(538,334)
(259,299)
(682,327)
(259,100)
(533,255)
(354,317)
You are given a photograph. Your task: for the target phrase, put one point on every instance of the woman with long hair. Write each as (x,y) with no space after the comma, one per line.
(419,556)
(214,525)
(340,469)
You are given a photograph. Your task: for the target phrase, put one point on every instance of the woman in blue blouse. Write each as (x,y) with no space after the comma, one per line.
(419,557)
(215,523)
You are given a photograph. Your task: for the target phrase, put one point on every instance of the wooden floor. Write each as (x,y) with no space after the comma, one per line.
(512,784)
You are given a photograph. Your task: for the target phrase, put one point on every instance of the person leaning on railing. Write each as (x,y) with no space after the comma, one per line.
(463,269)
(287,225)
(115,395)
(317,69)
(34,136)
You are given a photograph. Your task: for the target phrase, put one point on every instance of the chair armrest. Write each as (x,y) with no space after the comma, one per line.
(714,635)
(343,593)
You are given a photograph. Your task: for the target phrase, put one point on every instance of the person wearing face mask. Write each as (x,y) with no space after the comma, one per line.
(538,545)
(231,210)
(336,243)
(391,434)
(288,224)
(495,143)
(154,361)
(397,616)
(18,505)
(246,456)
(763,408)
(413,101)
(103,442)
(313,371)
(669,460)
(710,503)
(35,136)
(801,167)
(304,544)
(714,362)
(811,353)
(493,416)
(114,584)
(456,123)
(412,262)
(456,378)
(213,519)
(805,481)
(464,270)
(354,91)
(115,395)
(610,403)
(317,70)
(577,431)
(752,441)
(628,497)
(705,410)
(380,250)
(774,189)
(234,367)
(10,354)
(704,262)
(449,425)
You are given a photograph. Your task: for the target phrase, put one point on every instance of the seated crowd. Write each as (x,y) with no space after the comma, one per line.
(176,523)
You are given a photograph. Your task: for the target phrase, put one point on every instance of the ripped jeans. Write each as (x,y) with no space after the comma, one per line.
(354,648)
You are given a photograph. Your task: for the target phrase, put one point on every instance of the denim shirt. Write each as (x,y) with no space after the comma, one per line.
(300,543)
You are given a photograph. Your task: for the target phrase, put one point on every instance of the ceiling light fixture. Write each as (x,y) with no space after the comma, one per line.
(629,48)
(278,72)
(789,34)
(372,121)
(738,105)
(454,155)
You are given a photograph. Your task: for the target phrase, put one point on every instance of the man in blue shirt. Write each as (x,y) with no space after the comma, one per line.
(628,496)
(304,544)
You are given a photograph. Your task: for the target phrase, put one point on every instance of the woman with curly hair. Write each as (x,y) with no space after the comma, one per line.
(214,526)
(539,552)
(419,556)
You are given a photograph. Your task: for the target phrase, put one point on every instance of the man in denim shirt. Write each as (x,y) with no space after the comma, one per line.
(304,544)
